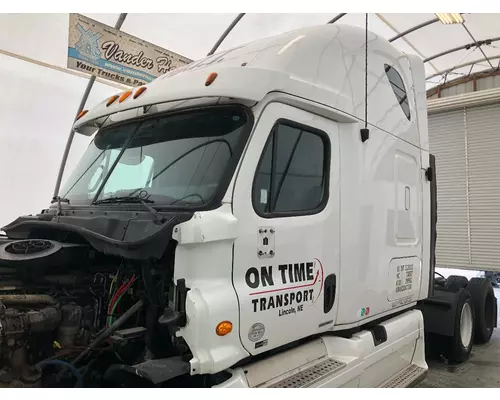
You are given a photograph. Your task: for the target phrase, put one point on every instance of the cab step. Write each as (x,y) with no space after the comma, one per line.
(338,362)
(407,377)
(309,376)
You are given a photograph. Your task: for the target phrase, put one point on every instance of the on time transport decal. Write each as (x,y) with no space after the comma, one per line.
(285,287)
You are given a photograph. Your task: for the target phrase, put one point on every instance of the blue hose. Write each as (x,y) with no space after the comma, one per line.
(64,364)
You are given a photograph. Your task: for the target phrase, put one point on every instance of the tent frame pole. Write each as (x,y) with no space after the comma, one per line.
(71,136)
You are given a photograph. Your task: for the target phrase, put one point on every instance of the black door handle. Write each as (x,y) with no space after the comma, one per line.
(329,296)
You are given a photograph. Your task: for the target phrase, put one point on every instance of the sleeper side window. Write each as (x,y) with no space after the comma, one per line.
(399,89)
(292,175)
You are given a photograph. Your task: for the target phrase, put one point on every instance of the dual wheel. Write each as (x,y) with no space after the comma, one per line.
(474,319)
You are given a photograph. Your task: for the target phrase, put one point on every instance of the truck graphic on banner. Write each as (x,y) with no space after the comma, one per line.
(108,53)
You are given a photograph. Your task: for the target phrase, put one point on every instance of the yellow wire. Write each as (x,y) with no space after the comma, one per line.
(111,286)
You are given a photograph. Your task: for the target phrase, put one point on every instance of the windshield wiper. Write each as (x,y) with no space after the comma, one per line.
(123,199)
(132,200)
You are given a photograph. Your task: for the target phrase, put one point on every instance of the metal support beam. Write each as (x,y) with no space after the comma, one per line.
(415,28)
(480,49)
(118,26)
(464,47)
(467,64)
(386,22)
(458,81)
(336,18)
(470,70)
(226,32)
(60,69)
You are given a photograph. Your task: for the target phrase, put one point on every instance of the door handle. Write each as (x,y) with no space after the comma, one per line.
(329,296)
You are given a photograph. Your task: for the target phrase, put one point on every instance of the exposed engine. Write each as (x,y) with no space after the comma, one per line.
(72,316)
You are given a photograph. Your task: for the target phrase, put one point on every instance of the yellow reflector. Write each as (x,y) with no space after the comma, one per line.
(139,91)
(223,328)
(82,114)
(111,100)
(211,78)
(125,95)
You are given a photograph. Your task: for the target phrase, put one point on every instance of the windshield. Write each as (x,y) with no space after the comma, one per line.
(178,159)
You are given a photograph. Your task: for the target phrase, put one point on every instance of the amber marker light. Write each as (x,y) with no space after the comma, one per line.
(139,91)
(111,100)
(224,328)
(211,78)
(124,96)
(82,113)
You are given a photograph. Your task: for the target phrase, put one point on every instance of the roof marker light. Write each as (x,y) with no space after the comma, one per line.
(82,113)
(125,95)
(111,100)
(139,91)
(211,78)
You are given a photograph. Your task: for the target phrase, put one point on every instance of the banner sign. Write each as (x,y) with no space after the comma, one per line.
(108,53)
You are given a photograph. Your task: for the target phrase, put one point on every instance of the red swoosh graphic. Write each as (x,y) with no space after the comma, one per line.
(322,276)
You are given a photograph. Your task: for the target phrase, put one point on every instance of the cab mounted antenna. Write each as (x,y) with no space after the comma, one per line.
(365,132)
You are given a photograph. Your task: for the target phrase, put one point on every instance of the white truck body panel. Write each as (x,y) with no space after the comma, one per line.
(354,362)
(360,285)
(310,239)
(310,68)
(370,235)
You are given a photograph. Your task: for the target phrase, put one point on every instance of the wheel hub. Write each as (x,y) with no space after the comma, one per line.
(466,325)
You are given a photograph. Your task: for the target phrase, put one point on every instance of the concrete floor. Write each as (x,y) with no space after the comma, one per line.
(482,369)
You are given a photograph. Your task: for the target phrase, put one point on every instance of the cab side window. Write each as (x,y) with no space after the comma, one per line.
(398,87)
(292,175)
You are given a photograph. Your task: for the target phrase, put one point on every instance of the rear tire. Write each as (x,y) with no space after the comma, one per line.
(457,349)
(484,302)
(456,282)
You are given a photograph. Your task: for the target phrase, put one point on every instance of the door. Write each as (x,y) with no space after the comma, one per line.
(286,256)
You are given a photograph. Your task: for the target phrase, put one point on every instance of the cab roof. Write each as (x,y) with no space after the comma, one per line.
(325,64)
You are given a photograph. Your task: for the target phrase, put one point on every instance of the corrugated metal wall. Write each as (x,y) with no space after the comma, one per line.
(483,150)
(447,143)
(466,143)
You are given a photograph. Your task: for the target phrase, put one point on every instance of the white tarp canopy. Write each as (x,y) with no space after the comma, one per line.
(40,95)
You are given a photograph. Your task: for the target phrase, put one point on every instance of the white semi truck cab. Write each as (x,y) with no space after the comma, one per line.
(263,217)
